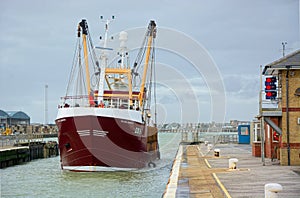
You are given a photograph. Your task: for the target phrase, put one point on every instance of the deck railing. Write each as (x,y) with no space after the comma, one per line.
(108,102)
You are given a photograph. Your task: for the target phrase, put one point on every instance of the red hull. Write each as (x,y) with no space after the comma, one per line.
(94,141)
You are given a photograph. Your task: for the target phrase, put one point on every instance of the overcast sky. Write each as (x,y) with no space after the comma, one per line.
(208,54)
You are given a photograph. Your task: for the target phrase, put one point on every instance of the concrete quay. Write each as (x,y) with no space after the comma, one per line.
(197,172)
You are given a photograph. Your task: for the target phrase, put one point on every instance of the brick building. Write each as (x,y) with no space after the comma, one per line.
(282,124)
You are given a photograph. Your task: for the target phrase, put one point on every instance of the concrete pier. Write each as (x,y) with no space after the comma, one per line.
(202,174)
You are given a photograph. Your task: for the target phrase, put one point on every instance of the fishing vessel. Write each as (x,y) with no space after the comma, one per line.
(105,119)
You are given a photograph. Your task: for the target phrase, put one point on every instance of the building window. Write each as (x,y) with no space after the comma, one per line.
(256,132)
(244,131)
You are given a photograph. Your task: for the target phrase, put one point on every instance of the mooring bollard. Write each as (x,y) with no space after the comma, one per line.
(209,147)
(233,163)
(206,143)
(271,190)
(217,152)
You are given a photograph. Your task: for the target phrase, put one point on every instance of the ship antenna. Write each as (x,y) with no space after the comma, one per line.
(107,22)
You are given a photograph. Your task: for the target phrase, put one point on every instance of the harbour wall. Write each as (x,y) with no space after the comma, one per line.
(26,152)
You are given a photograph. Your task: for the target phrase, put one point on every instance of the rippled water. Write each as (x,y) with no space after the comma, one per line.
(44,178)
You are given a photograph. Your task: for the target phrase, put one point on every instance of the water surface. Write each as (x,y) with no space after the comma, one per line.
(44,178)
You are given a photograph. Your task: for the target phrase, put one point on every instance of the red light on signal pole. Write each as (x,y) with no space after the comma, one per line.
(271,79)
(271,88)
(269,94)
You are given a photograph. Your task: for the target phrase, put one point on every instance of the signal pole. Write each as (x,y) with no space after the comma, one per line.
(262,122)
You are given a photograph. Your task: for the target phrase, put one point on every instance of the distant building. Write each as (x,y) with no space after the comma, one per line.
(14,118)
(236,123)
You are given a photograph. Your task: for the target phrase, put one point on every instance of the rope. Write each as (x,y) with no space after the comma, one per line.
(154,77)
(73,65)
(139,58)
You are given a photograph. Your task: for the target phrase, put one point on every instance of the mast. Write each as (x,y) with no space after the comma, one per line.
(84,27)
(103,58)
(151,34)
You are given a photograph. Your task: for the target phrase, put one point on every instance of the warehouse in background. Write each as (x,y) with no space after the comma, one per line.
(14,118)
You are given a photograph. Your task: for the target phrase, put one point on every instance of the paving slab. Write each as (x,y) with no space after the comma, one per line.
(252,174)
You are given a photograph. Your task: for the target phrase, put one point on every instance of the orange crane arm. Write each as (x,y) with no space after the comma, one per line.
(84,27)
(87,71)
(151,35)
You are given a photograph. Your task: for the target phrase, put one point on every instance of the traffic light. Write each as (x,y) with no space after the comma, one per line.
(271,88)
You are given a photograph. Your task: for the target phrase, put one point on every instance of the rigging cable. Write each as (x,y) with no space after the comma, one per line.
(92,50)
(154,86)
(94,61)
(139,59)
(81,77)
(152,77)
(73,66)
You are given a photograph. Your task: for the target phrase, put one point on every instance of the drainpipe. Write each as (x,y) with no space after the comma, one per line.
(287,115)
(262,132)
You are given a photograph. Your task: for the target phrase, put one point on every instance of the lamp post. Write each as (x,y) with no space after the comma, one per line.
(46,104)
